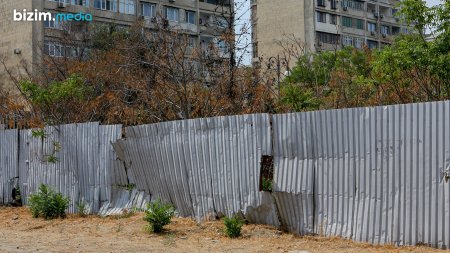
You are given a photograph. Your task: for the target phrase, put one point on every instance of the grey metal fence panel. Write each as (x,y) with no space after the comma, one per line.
(294,170)
(378,172)
(8,163)
(59,142)
(203,166)
(112,173)
(76,159)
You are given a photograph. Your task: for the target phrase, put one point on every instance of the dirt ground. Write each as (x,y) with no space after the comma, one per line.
(21,233)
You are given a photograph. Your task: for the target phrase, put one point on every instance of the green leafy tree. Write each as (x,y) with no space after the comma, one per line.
(58,100)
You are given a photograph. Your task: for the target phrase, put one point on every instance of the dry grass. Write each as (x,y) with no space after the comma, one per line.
(21,233)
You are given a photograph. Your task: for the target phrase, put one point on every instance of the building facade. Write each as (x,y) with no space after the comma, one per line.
(23,42)
(323,24)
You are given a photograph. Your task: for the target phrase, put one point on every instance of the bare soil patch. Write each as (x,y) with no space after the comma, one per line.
(19,232)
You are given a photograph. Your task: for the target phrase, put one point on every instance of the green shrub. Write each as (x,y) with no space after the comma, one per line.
(48,203)
(233,226)
(158,214)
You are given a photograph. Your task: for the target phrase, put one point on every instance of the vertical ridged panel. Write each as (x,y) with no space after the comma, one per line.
(9,169)
(203,166)
(378,171)
(86,168)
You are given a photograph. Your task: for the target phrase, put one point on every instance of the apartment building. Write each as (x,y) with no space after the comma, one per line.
(323,24)
(24,42)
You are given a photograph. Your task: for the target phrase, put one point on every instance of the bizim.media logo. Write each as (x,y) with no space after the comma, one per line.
(47,16)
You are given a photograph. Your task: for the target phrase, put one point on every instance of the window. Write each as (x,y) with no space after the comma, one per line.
(372,27)
(321,3)
(211,1)
(328,38)
(334,4)
(347,41)
(359,42)
(333,19)
(148,10)
(110,5)
(395,30)
(394,12)
(346,21)
(127,7)
(321,17)
(222,46)
(72,52)
(192,42)
(172,14)
(353,4)
(384,29)
(81,2)
(53,49)
(359,24)
(372,44)
(405,30)
(61,1)
(54,23)
(190,17)
(221,22)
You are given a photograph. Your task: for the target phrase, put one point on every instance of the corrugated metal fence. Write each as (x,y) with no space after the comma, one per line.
(370,174)
(77,160)
(205,167)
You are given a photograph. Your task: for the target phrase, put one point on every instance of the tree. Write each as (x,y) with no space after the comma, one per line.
(415,68)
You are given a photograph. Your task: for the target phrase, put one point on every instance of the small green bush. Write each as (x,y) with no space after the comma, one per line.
(233,226)
(48,203)
(158,214)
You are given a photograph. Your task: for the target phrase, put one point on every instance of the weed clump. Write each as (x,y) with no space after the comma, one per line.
(233,226)
(158,214)
(48,203)
(82,208)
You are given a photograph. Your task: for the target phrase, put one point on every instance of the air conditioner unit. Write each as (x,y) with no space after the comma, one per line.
(384,35)
(376,14)
(153,20)
(381,16)
(345,8)
(373,33)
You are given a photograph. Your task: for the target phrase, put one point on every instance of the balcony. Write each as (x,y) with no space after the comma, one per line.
(215,6)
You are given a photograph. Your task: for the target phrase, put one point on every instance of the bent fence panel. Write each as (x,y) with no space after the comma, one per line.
(294,170)
(379,172)
(9,171)
(203,166)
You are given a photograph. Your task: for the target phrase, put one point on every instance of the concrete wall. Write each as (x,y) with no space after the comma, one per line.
(14,35)
(275,20)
